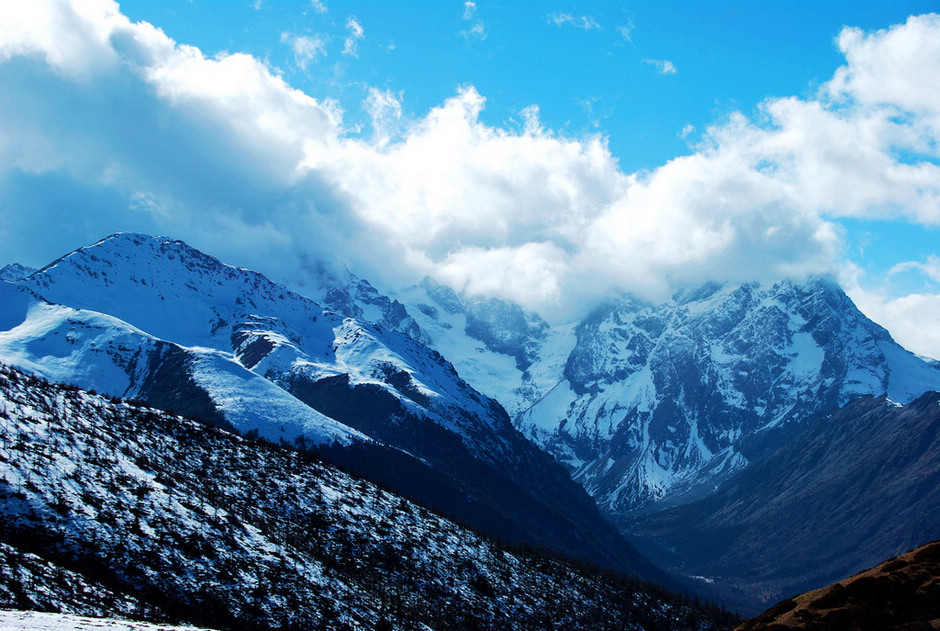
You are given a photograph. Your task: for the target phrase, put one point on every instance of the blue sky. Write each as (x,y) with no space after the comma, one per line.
(550,152)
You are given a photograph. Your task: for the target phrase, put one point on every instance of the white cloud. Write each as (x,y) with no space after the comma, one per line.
(929,268)
(664,66)
(318,6)
(107,125)
(910,318)
(72,38)
(583,22)
(355,33)
(306,49)
(469,10)
(384,109)
(477,28)
(893,68)
(139,133)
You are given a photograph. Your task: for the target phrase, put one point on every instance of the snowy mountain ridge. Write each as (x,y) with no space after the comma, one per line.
(660,400)
(105,353)
(222,313)
(15,271)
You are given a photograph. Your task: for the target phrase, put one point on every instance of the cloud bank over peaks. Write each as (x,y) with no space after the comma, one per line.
(152,135)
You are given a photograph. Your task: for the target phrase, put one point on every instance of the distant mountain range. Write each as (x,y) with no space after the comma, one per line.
(688,423)
(695,423)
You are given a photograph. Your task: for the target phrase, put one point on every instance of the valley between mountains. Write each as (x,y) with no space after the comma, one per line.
(739,442)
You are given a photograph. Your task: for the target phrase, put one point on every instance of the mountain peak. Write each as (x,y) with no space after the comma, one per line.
(14,272)
(135,277)
(656,400)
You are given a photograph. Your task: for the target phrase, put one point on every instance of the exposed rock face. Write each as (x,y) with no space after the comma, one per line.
(662,400)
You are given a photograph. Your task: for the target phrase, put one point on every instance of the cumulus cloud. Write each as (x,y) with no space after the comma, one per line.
(145,134)
(909,318)
(109,125)
(893,69)
(355,33)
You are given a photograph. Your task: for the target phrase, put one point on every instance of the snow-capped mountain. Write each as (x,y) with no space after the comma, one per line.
(101,352)
(112,509)
(15,271)
(647,405)
(347,294)
(654,404)
(230,321)
(512,355)
(154,319)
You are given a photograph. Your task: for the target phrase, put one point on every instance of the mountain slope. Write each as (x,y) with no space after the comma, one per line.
(181,521)
(511,355)
(843,491)
(902,593)
(155,319)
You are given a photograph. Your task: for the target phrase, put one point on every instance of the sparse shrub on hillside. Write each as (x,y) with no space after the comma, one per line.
(143,514)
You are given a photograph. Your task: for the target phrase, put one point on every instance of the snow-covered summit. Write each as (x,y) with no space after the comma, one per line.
(105,353)
(165,287)
(14,272)
(175,293)
(659,400)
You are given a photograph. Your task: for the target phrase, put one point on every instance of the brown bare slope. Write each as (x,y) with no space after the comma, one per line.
(903,593)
